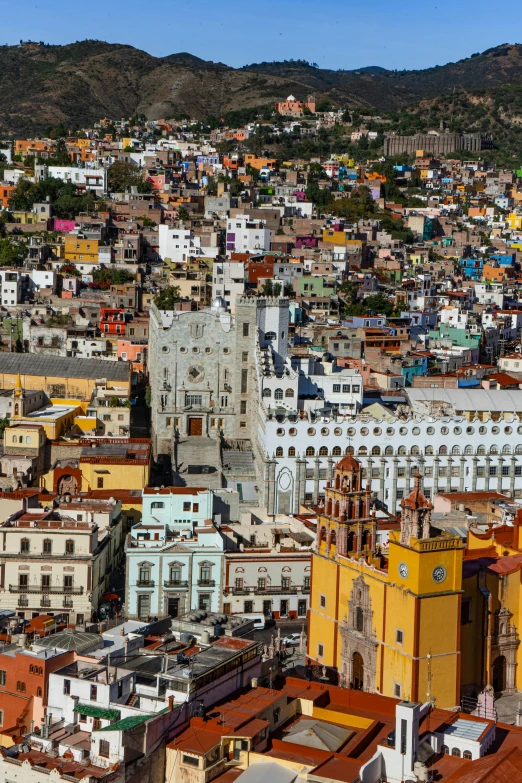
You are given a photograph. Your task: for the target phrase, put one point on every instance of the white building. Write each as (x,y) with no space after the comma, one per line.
(174,555)
(90,178)
(178,245)
(60,560)
(247,236)
(10,287)
(228,282)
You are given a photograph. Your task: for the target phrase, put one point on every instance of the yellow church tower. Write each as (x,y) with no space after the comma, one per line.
(387,621)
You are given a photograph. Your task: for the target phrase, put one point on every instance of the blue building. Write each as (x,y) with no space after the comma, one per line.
(175,555)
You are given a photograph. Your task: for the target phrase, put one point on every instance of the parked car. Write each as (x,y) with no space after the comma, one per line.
(292,640)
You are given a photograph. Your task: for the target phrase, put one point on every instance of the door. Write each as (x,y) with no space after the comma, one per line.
(195,426)
(499,674)
(283,609)
(358,671)
(143,606)
(173,606)
(267,608)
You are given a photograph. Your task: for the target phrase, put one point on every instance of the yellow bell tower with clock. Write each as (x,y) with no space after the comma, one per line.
(388,623)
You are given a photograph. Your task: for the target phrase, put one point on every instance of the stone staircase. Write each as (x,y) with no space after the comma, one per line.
(193,453)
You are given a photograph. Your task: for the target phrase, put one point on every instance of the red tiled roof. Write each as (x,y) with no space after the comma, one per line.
(501,767)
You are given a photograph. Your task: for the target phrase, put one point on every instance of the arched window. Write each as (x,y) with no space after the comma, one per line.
(291,451)
(270,336)
(518,449)
(428,451)
(289,393)
(323,451)
(455,450)
(267,392)
(445,750)
(18,686)
(310,451)
(376,451)
(21,439)
(14,438)
(336,451)
(40,670)
(443,450)
(363,451)
(388,451)
(468,450)
(506,450)
(415,451)
(23,687)
(402,451)
(359,619)
(481,450)
(350,451)
(279,451)
(493,450)
(31,669)
(39,693)
(467,755)
(455,752)
(278,394)
(322,534)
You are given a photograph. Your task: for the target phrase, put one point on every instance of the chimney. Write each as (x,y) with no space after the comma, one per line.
(171,703)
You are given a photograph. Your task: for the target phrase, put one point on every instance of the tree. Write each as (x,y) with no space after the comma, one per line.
(122,175)
(167,298)
(268,288)
(323,105)
(11,253)
(61,155)
(3,424)
(183,213)
(23,196)
(277,289)
(320,197)
(236,187)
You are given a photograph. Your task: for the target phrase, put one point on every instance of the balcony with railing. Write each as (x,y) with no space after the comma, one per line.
(145,583)
(206,582)
(175,583)
(46,589)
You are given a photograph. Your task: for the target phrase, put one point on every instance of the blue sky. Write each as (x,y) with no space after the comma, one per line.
(333,33)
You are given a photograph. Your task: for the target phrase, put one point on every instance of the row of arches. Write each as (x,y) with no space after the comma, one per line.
(329,537)
(278,393)
(402,451)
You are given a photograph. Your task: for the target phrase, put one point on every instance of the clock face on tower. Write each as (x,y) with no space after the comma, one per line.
(439,574)
(403,570)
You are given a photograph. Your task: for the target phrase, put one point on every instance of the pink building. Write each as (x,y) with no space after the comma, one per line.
(61,224)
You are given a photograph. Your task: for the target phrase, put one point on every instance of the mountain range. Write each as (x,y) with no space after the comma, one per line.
(44,86)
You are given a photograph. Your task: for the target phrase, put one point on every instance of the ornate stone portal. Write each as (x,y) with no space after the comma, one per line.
(504,653)
(358,641)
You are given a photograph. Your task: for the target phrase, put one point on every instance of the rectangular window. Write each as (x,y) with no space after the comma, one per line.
(99,482)
(193,399)
(356,389)
(261,583)
(204,601)
(397,690)
(187,506)
(94,692)
(320,650)
(244,356)
(2,677)
(322,601)
(248,607)
(104,748)
(492,470)
(285,583)
(243,407)
(1,717)
(505,470)
(336,388)
(244,381)
(399,636)
(67,687)
(239,583)
(246,329)
(481,471)
(465,611)
(346,388)
(192,761)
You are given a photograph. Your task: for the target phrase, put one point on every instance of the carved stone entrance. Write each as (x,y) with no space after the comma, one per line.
(358,642)
(504,653)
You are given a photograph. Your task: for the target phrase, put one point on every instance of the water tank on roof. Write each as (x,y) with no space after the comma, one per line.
(205,637)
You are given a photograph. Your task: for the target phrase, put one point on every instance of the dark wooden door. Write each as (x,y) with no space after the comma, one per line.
(358,672)
(195,426)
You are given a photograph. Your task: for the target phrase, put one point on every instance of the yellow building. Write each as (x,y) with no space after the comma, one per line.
(62,378)
(388,625)
(77,249)
(514,221)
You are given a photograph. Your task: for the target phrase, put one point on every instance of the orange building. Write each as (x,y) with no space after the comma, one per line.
(5,194)
(294,108)
(260,163)
(24,681)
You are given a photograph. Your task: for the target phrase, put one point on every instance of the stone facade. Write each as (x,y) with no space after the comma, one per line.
(201,368)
